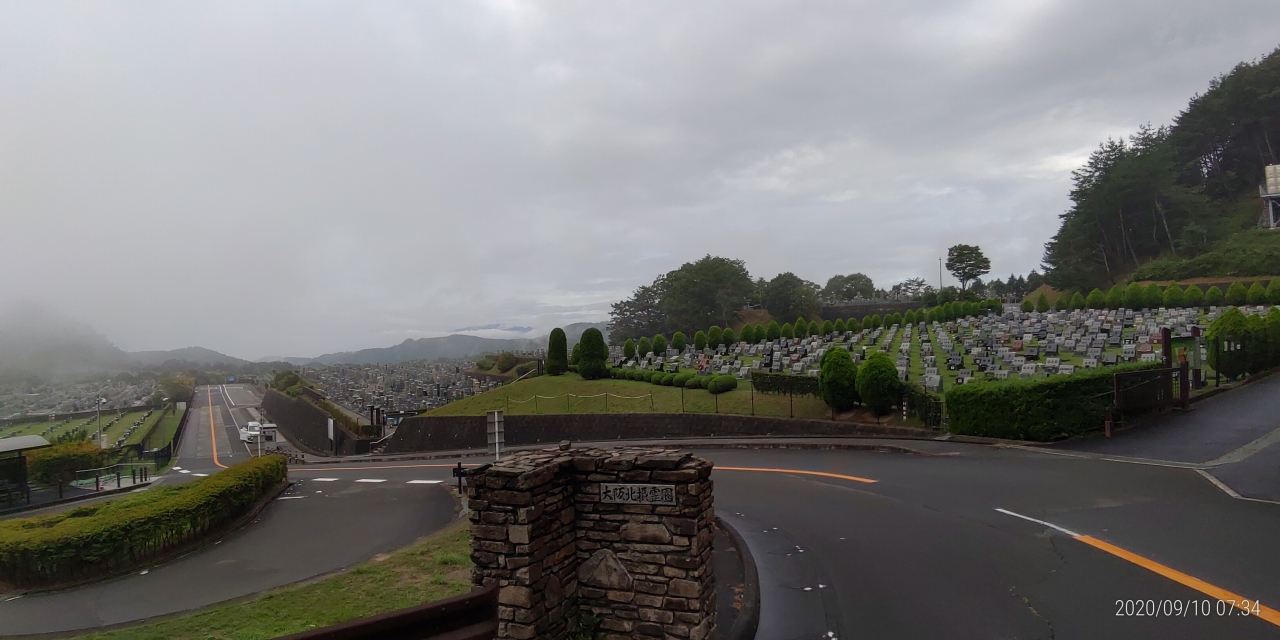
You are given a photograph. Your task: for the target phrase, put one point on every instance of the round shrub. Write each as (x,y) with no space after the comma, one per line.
(644,347)
(828,327)
(1096,300)
(815,329)
(1213,297)
(838,380)
(669,380)
(801,327)
(853,324)
(575,355)
(1257,294)
(1153,296)
(721,384)
(1173,297)
(1236,294)
(681,378)
(592,355)
(694,382)
(1062,303)
(660,345)
(878,385)
(618,374)
(1133,297)
(677,341)
(1115,297)
(699,341)
(1273,291)
(748,334)
(787,331)
(909,317)
(1193,297)
(657,377)
(876,321)
(1230,330)
(838,326)
(1028,306)
(715,337)
(557,353)
(772,331)
(1077,301)
(1042,303)
(629,349)
(728,336)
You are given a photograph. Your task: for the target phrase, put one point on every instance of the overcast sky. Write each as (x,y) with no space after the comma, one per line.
(293,178)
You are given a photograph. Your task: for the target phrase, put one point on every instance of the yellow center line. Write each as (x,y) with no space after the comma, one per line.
(1218,593)
(801,472)
(393,466)
(1252,607)
(213,438)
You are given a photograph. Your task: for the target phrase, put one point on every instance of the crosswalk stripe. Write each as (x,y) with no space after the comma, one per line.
(184,471)
(324,479)
(200,475)
(425,481)
(371,480)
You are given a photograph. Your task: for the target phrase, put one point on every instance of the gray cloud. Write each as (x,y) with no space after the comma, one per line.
(294,178)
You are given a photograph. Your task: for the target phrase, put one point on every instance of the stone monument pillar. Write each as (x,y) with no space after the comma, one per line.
(615,540)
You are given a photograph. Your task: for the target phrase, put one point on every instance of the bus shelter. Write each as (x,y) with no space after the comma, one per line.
(14,489)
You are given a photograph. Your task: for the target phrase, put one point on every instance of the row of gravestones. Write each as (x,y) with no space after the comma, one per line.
(137,424)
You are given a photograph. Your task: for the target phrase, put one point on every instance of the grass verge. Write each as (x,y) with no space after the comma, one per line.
(433,568)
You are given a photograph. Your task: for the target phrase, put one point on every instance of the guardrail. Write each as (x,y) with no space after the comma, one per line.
(471,616)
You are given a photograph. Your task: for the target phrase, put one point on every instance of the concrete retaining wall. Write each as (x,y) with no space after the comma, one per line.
(447,433)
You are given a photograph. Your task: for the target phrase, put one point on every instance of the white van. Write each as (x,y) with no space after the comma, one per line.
(250,432)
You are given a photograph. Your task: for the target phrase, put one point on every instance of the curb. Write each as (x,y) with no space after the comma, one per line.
(744,626)
(729,442)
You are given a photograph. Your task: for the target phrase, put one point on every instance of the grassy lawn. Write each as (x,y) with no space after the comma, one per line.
(627,396)
(431,569)
(164,431)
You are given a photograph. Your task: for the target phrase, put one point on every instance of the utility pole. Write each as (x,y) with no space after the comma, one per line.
(939,275)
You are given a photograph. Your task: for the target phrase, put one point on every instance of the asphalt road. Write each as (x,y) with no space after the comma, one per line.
(923,553)
(324,523)
(1212,429)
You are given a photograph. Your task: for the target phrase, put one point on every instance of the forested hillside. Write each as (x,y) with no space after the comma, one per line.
(1178,201)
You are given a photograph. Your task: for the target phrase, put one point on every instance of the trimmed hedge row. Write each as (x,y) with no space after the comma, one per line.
(1039,409)
(781,383)
(58,464)
(105,538)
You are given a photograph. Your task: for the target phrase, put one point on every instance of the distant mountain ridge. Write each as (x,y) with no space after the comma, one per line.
(450,346)
(195,355)
(44,343)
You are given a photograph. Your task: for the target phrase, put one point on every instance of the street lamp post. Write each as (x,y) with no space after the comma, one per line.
(98,405)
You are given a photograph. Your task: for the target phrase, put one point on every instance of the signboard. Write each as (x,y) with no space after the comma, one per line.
(330,429)
(658,494)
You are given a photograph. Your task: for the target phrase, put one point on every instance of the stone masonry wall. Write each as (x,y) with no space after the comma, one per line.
(563,556)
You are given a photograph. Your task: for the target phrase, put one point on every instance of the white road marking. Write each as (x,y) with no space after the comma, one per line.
(1047,524)
(184,471)
(289,497)
(371,480)
(177,468)
(200,475)
(324,479)
(425,481)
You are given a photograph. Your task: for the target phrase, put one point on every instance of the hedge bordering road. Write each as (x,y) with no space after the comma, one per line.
(103,539)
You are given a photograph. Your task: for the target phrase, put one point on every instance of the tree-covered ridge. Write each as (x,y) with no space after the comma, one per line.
(1172,192)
